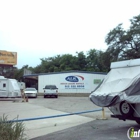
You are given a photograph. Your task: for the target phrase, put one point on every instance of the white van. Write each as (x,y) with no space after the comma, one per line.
(9,88)
(120,90)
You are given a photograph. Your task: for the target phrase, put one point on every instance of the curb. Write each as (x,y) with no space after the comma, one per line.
(10,99)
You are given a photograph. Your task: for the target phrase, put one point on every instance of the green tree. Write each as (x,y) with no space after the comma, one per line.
(96,61)
(67,62)
(124,44)
(18,73)
(81,61)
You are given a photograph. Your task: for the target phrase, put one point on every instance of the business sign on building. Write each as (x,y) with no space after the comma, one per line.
(73,82)
(8,58)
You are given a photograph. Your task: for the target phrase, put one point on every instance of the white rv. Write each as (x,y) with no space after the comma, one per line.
(9,88)
(120,90)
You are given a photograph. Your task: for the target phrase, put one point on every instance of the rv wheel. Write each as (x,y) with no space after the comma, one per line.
(138,121)
(126,109)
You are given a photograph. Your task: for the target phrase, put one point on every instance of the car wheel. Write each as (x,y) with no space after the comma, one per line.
(56,96)
(126,109)
(44,96)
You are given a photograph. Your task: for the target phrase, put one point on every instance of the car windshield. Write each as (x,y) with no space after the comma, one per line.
(50,87)
(30,89)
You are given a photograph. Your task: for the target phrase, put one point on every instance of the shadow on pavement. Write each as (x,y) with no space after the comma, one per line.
(111,129)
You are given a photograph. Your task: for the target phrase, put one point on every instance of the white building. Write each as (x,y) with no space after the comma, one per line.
(68,82)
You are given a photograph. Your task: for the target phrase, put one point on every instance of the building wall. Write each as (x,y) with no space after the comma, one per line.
(71,82)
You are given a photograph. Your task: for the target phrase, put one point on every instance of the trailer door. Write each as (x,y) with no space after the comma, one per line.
(3,88)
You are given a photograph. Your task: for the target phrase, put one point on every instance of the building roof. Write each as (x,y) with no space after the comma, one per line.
(35,76)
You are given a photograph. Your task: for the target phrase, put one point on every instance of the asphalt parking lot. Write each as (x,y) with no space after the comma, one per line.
(99,129)
(95,130)
(70,105)
(90,126)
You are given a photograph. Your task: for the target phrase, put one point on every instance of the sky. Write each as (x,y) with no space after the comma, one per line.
(38,29)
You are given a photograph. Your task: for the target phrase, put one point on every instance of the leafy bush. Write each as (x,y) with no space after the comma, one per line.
(11,130)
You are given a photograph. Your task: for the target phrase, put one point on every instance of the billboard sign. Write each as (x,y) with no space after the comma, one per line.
(8,58)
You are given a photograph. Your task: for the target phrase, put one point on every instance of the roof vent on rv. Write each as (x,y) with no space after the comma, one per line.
(2,77)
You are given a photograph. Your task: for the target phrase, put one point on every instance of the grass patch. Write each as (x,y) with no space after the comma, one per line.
(10,130)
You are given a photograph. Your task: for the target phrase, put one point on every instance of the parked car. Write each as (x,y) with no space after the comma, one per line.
(50,90)
(30,92)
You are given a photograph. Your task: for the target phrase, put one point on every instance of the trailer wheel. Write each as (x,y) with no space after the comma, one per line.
(126,109)
(138,122)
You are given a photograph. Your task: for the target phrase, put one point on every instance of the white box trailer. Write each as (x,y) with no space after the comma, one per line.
(9,88)
(71,82)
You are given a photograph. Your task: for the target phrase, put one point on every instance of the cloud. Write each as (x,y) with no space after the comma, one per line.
(42,28)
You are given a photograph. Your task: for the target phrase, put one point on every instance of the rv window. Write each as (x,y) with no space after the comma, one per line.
(4,85)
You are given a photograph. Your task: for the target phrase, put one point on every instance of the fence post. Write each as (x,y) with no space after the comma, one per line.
(23,96)
(103,114)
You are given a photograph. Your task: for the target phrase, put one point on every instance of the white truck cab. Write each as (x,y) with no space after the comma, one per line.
(50,90)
